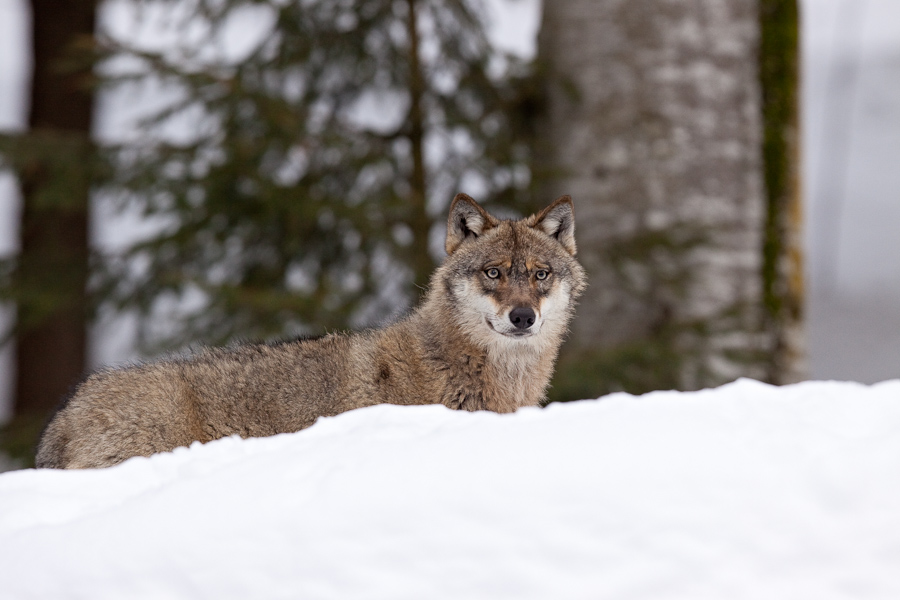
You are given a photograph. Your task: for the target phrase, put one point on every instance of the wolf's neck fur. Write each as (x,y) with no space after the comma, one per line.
(488,372)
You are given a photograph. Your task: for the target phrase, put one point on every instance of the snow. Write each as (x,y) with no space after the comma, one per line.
(744,491)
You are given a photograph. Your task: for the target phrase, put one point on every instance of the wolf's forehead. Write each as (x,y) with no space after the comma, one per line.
(522,246)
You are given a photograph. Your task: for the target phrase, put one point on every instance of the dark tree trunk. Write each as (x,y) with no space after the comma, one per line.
(779,66)
(422,263)
(53,267)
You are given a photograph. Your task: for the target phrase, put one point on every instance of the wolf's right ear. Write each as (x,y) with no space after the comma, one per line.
(467,221)
(558,221)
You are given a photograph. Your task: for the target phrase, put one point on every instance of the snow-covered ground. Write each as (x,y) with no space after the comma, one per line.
(745,491)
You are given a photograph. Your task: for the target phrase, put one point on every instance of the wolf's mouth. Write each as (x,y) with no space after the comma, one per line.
(510,334)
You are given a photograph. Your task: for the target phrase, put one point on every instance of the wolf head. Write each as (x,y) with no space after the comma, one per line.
(510,283)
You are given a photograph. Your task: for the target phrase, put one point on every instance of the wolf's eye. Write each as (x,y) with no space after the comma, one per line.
(542,274)
(493,273)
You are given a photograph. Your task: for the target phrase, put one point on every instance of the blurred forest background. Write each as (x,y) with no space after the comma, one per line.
(211,171)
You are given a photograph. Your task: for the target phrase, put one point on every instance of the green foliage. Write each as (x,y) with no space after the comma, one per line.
(288,204)
(55,171)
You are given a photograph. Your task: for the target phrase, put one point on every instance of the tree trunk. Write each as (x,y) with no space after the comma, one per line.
(653,122)
(420,258)
(53,266)
(779,64)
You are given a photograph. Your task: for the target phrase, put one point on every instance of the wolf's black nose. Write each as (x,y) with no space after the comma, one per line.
(522,317)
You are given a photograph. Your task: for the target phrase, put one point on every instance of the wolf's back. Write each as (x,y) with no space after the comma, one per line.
(251,391)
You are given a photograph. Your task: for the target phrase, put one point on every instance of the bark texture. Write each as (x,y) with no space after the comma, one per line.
(53,265)
(779,66)
(653,123)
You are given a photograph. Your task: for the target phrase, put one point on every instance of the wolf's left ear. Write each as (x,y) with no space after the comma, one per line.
(467,221)
(558,221)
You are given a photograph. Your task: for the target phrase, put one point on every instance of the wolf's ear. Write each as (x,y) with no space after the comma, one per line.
(466,222)
(558,221)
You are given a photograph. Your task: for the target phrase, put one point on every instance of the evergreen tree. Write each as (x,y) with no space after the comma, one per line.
(297,186)
(317,168)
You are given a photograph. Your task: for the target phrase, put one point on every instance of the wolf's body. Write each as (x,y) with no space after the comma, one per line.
(485,338)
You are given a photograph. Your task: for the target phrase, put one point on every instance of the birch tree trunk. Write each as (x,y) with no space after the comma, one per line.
(653,122)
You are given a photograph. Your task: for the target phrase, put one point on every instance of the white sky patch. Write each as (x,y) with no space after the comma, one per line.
(381,111)
(15,64)
(244,31)
(171,29)
(513,26)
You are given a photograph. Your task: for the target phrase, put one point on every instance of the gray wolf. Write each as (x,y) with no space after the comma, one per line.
(485,337)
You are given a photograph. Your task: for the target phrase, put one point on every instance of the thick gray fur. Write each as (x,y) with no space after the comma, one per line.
(458,348)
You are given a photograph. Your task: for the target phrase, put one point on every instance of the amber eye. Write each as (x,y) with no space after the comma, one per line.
(542,274)
(493,272)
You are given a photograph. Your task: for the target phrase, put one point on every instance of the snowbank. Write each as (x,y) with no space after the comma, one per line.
(745,491)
